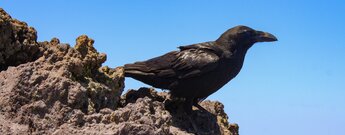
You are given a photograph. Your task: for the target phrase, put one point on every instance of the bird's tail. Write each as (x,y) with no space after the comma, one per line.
(136,69)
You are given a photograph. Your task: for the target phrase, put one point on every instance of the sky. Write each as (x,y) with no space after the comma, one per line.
(293,86)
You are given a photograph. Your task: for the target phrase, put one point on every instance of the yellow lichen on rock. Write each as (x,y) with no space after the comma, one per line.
(91,58)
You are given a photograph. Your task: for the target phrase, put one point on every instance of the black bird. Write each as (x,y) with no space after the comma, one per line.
(198,70)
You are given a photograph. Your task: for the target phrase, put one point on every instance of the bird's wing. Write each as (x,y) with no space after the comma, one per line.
(195,60)
(190,61)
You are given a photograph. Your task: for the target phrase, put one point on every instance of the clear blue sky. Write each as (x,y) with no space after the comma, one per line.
(293,86)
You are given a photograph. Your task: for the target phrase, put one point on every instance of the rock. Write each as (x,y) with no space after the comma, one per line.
(44,88)
(17,42)
(53,88)
(212,122)
(149,115)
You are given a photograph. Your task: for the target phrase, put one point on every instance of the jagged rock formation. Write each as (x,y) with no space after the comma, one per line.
(17,42)
(53,88)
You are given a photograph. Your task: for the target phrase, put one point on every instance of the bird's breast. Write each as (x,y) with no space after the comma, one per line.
(226,71)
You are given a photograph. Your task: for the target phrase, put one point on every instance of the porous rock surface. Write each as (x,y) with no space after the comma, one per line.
(53,88)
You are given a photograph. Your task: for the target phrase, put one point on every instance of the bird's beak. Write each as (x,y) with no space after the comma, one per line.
(264,37)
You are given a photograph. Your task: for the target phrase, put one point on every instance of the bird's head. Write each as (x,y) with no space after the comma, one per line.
(245,36)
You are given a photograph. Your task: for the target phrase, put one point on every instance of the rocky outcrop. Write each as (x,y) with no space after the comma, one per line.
(17,42)
(53,88)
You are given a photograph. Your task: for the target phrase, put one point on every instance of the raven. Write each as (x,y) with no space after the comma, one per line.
(198,70)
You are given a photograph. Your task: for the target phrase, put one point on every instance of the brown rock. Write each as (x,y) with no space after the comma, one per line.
(44,88)
(17,42)
(147,114)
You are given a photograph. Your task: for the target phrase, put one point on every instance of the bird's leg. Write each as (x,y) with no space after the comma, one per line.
(200,107)
(197,105)
(187,106)
(188,109)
